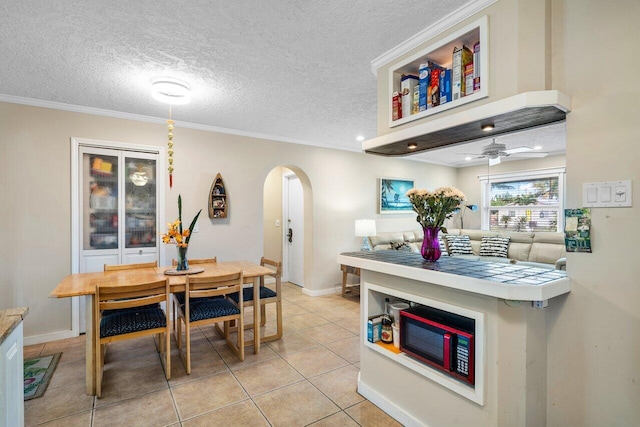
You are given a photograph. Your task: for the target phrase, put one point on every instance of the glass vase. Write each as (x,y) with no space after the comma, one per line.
(183,264)
(430,249)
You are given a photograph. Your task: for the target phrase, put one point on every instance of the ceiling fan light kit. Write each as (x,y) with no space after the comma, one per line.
(495,151)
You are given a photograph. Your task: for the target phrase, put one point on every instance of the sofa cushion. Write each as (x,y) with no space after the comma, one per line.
(494,246)
(400,246)
(382,241)
(458,245)
(519,245)
(547,247)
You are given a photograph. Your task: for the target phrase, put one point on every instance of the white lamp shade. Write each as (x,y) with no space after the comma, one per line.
(365,227)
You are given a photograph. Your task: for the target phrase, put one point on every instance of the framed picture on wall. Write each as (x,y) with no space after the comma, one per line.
(391,196)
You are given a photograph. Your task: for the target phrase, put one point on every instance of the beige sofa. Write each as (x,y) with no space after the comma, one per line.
(540,249)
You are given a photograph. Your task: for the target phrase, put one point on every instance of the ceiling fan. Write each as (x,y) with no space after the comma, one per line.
(494,151)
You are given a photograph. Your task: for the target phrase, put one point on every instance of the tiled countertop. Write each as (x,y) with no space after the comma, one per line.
(507,281)
(9,319)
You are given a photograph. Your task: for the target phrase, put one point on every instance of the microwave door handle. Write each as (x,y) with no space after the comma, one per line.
(447,352)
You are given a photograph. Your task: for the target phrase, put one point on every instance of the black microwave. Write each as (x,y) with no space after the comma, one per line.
(441,339)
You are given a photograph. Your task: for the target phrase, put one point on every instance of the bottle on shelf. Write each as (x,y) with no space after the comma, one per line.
(387,330)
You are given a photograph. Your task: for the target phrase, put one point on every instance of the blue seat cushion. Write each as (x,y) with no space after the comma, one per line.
(130,320)
(122,310)
(208,308)
(247,294)
(181,298)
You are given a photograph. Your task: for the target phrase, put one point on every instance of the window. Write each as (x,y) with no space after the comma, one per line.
(523,201)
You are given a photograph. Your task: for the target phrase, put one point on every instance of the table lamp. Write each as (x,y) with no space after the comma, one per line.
(365,228)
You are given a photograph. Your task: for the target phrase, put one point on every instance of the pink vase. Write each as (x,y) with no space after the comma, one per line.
(430,249)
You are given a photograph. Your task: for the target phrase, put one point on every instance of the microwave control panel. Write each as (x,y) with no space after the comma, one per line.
(462,356)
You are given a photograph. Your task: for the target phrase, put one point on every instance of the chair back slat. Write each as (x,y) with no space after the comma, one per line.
(117,267)
(130,302)
(277,266)
(213,260)
(204,287)
(111,297)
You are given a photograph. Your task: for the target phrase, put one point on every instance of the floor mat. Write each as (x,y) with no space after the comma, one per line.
(37,373)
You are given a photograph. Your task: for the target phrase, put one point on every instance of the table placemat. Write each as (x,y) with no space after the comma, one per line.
(174,272)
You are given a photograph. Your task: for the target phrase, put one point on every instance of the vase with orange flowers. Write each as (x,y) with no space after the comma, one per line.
(179,237)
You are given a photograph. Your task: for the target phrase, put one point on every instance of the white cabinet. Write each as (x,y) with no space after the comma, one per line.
(117,206)
(11,379)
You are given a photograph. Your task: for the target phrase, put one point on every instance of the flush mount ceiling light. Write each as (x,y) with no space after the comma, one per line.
(412,146)
(487,127)
(360,138)
(170,91)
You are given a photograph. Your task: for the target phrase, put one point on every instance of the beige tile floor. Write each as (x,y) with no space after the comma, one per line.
(309,377)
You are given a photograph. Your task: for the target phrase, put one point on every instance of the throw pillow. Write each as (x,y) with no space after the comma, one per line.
(494,246)
(459,245)
(400,246)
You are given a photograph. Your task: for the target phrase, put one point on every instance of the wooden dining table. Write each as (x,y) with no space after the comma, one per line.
(84,284)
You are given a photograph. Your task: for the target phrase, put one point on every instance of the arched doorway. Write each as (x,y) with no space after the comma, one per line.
(287,216)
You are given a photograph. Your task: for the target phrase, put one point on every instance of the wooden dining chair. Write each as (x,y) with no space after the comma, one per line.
(177,298)
(122,312)
(267,296)
(120,267)
(201,307)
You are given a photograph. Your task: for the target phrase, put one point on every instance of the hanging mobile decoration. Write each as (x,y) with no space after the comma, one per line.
(170,147)
(173,92)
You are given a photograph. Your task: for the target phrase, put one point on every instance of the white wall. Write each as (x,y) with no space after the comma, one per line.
(35,167)
(594,332)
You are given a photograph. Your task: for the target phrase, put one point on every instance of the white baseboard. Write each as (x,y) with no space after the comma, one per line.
(320,292)
(390,408)
(54,336)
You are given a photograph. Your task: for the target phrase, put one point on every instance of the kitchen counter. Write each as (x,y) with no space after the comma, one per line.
(10,319)
(510,338)
(500,280)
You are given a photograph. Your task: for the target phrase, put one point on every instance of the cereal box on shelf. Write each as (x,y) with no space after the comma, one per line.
(396,106)
(476,67)
(445,86)
(424,78)
(407,83)
(461,57)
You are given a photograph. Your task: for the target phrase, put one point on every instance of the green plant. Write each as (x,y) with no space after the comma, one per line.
(175,233)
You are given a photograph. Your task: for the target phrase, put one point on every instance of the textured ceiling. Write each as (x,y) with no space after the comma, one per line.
(297,71)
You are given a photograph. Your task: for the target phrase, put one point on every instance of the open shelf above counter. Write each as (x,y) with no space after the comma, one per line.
(523,111)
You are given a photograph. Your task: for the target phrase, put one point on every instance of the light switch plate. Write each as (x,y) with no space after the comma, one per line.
(609,194)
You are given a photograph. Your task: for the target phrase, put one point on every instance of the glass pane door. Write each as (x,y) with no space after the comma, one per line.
(140,202)
(100,199)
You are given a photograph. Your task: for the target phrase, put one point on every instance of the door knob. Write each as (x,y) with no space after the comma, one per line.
(290,235)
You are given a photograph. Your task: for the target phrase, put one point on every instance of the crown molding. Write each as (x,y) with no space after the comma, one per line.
(438,27)
(157,120)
